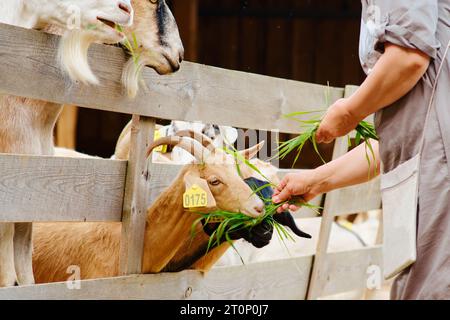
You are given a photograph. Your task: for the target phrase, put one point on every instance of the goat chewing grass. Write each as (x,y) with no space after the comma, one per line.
(132,72)
(232,222)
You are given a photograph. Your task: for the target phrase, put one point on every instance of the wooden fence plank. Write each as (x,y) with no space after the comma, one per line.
(200,93)
(348,270)
(136,200)
(360,198)
(40,188)
(340,202)
(286,279)
(316,283)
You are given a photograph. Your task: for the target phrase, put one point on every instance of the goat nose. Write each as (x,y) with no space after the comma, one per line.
(259,208)
(125,6)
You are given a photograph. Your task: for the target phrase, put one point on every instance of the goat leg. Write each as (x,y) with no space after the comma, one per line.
(7,272)
(23,253)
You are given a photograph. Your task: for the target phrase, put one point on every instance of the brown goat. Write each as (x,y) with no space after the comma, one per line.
(168,244)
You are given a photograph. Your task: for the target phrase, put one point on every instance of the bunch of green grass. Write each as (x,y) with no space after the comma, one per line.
(236,221)
(364,132)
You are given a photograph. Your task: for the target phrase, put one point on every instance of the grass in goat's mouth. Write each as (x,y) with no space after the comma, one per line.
(235,221)
(131,46)
(232,221)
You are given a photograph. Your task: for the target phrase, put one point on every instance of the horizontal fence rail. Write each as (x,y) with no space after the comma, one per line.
(195,93)
(45,189)
(41,188)
(285,279)
(272,280)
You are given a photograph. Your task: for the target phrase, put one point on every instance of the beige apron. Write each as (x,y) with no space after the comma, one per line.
(399,192)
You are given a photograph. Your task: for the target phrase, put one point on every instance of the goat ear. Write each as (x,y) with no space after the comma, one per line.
(251,152)
(229,134)
(189,180)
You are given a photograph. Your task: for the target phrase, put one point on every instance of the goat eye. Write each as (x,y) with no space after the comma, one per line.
(214,182)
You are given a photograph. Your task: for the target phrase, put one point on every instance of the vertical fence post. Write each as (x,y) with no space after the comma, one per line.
(318,274)
(136,196)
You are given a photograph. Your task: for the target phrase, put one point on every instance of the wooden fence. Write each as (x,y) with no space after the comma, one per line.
(37,188)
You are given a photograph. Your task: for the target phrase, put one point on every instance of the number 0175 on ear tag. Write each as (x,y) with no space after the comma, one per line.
(195,197)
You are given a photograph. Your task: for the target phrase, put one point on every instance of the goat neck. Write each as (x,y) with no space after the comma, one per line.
(169,244)
(26,125)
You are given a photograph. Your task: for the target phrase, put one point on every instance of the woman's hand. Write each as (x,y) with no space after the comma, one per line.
(305,184)
(338,122)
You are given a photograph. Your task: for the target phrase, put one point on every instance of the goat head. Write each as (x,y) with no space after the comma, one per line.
(260,235)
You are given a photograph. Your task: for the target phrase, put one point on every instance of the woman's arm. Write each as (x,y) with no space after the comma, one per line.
(350,169)
(397,71)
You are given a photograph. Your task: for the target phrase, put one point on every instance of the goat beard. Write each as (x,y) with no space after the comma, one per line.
(73,55)
(132,75)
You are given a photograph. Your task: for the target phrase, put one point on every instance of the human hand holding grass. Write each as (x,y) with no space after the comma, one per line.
(302,186)
(337,122)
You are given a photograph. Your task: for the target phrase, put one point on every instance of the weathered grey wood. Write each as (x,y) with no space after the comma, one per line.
(286,279)
(348,270)
(195,93)
(354,199)
(317,274)
(136,199)
(40,188)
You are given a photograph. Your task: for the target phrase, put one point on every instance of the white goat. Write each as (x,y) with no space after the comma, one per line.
(219,135)
(26,125)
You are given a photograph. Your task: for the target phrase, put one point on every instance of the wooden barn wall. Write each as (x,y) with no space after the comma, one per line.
(307,40)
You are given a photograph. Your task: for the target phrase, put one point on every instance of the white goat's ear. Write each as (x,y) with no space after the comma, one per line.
(229,134)
(191,179)
(251,152)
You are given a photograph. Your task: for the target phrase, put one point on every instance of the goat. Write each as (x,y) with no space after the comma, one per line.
(168,243)
(158,45)
(26,125)
(219,135)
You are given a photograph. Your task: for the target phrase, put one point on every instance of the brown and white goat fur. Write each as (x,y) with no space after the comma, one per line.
(26,125)
(168,243)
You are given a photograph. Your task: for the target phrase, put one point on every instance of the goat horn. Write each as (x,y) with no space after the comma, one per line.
(200,137)
(190,145)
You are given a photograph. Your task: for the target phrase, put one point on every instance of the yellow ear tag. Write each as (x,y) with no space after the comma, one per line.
(160,149)
(195,197)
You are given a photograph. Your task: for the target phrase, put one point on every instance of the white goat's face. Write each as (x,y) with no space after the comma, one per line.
(100,17)
(156,32)
(219,134)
